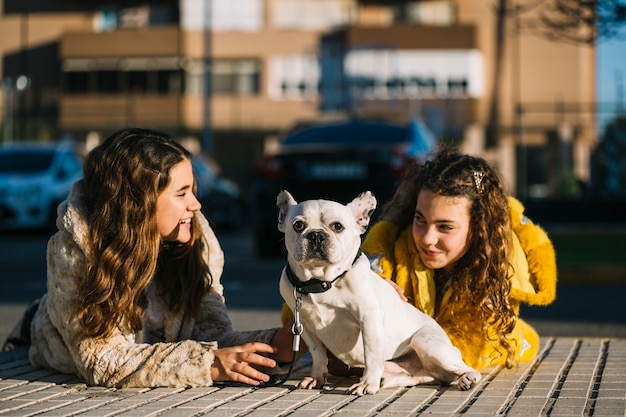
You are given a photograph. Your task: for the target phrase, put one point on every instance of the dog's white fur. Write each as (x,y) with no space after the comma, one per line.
(361,319)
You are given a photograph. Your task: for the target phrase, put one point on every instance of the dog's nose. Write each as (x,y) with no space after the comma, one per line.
(316,237)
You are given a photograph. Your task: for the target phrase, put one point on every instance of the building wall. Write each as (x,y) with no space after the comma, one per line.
(261,111)
(554,82)
(28,31)
(20,33)
(152,42)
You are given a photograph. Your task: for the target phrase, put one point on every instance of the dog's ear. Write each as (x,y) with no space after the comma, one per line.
(283,202)
(363,206)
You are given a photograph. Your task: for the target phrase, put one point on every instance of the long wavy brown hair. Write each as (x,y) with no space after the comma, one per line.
(480,279)
(122,179)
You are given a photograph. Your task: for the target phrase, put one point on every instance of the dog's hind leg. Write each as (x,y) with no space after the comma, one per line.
(405,372)
(441,359)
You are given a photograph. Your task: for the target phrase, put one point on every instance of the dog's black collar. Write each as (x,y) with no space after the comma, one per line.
(314,285)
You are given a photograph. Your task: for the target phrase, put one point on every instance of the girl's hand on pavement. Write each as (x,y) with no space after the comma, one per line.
(240,363)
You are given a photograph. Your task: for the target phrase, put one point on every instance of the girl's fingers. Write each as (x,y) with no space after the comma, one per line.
(240,363)
(252,376)
(259,347)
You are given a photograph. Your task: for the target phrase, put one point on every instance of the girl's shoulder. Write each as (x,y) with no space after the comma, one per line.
(540,258)
(530,234)
(213,252)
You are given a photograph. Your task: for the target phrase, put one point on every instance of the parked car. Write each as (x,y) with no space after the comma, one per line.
(334,160)
(221,199)
(34,178)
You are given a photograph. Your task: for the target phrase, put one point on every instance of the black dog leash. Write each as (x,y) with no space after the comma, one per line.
(275,380)
(296,330)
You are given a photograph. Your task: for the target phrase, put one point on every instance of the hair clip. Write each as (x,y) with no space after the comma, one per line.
(478,180)
(157,173)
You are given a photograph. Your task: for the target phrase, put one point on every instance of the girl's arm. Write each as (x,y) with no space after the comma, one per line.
(115,361)
(59,340)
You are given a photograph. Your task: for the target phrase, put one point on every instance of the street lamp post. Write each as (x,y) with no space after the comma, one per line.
(10,86)
(521,186)
(7,86)
(207,128)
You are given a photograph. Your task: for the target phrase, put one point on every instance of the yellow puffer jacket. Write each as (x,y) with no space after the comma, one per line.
(534,277)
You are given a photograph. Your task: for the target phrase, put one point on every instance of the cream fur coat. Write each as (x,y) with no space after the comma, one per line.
(183,360)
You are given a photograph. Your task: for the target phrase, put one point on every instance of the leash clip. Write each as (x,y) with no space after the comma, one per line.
(297,327)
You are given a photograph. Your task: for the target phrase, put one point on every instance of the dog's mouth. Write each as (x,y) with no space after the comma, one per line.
(317,253)
(312,254)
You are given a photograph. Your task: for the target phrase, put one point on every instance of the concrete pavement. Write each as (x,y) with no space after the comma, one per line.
(569,377)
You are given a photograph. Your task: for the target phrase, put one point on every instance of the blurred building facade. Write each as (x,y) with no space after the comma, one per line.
(237,72)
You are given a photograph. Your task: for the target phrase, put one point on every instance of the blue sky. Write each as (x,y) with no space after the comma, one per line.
(611,75)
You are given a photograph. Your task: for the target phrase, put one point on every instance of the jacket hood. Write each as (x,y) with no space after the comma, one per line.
(540,259)
(71,215)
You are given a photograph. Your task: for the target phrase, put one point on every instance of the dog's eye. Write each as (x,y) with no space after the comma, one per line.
(298,226)
(337,227)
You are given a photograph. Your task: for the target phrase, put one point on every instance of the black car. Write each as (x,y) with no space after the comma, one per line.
(336,161)
(221,199)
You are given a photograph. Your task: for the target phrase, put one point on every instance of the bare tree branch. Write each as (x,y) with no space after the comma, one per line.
(581,21)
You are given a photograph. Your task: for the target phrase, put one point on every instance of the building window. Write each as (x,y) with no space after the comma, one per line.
(169,82)
(236,77)
(435,13)
(388,74)
(138,82)
(222,15)
(120,81)
(377,75)
(312,14)
(108,81)
(110,18)
(228,76)
(294,77)
(77,82)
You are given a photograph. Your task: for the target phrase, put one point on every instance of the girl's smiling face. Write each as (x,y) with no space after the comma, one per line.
(176,204)
(441,228)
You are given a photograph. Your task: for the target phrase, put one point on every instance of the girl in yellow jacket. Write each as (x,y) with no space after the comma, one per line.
(464,253)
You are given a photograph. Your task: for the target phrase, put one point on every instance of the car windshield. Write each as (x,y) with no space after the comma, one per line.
(23,162)
(350,133)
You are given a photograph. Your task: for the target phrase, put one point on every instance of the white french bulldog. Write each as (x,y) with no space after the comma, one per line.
(348,309)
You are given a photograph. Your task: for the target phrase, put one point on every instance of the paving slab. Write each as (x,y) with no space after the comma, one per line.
(570,377)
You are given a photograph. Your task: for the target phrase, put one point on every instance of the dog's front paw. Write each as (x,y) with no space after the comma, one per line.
(360,389)
(467,380)
(310,383)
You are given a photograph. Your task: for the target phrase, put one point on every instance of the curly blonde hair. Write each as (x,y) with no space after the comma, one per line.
(482,274)
(122,179)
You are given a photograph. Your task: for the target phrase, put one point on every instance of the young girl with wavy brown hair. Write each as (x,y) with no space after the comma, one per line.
(464,253)
(134,296)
